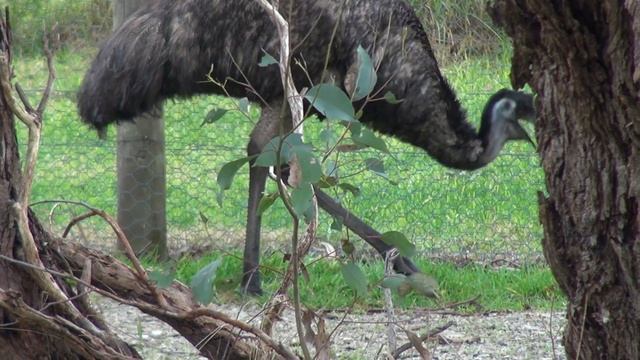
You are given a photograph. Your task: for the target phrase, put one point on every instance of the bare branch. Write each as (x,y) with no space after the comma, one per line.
(50,80)
(423,338)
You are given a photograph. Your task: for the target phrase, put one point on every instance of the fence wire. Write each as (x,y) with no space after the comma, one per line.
(489,214)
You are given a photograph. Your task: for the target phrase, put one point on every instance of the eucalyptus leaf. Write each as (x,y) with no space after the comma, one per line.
(243,105)
(367,77)
(310,166)
(336,224)
(400,242)
(163,277)
(331,102)
(391,98)
(267,201)
(369,138)
(229,170)
(202,282)
(267,59)
(424,285)
(354,190)
(328,136)
(290,144)
(375,165)
(355,278)
(301,199)
(393,282)
(213,116)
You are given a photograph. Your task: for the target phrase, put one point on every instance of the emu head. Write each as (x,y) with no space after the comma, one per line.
(499,122)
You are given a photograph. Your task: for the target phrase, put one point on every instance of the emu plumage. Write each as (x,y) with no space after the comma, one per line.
(166,50)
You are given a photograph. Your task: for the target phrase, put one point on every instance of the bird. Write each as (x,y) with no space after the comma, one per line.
(169,48)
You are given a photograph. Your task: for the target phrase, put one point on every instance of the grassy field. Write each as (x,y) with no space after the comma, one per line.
(490,211)
(482,214)
(493,289)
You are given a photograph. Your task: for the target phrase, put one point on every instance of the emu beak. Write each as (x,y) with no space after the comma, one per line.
(517,132)
(525,110)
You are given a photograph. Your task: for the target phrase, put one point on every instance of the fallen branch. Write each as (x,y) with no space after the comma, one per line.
(433,332)
(213,332)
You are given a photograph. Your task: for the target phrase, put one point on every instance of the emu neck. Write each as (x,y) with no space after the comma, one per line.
(431,117)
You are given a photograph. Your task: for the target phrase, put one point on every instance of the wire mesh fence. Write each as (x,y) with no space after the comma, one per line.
(486,214)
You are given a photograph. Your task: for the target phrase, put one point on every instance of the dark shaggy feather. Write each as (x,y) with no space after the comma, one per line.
(167,49)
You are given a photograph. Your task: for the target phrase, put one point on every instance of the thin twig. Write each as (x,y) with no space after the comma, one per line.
(388,302)
(297,111)
(276,346)
(433,332)
(75,221)
(140,273)
(23,97)
(50,80)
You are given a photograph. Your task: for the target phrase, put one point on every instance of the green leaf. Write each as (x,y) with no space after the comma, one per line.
(328,136)
(229,170)
(267,60)
(354,190)
(301,199)
(397,239)
(162,277)
(243,105)
(203,218)
(267,201)
(347,247)
(391,98)
(331,168)
(424,285)
(331,102)
(290,143)
(375,165)
(393,282)
(202,282)
(355,278)
(219,197)
(369,138)
(327,182)
(213,116)
(310,166)
(336,224)
(367,77)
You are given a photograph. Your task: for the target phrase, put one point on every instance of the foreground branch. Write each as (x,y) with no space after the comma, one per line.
(214,333)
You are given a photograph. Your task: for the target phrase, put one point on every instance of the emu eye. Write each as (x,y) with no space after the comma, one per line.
(504,109)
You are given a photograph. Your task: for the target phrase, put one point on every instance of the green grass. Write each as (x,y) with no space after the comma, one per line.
(482,213)
(489,211)
(498,289)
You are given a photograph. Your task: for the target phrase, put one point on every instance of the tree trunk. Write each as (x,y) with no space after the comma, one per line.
(142,189)
(32,325)
(582,58)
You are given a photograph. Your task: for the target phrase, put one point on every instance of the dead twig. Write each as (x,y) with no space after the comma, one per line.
(433,332)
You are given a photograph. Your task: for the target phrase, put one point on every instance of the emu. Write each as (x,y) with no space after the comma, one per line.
(166,49)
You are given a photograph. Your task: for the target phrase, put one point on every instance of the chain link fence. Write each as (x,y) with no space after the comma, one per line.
(484,215)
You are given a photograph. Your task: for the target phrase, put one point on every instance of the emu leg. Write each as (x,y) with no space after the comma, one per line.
(251,271)
(266,129)
(401,264)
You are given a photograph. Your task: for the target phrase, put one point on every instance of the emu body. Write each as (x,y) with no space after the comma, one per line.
(166,50)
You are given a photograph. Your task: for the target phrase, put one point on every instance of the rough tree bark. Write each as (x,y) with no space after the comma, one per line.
(32,323)
(43,315)
(582,58)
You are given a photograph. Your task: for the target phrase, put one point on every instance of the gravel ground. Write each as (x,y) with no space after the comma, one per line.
(521,335)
